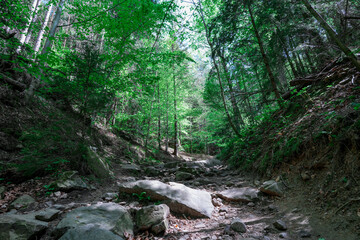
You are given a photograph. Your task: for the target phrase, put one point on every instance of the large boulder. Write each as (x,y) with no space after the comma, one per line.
(153,217)
(68,181)
(178,197)
(106,216)
(272,188)
(20,227)
(89,232)
(244,194)
(98,166)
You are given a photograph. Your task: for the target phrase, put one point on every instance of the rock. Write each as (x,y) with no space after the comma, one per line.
(152,215)
(244,194)
(89,232)
(266,238)
(178,197)
(305,176)
(163,226)
(251,204)
(47,215)
(152,171)
(22,202)
(304,234)
(272,188)
(283,235)
(109,196)
(280,225)
(2,192)
(238,226)
(106,216)
(132,168)
(21,227)
(99,167)
(182,176)
(217,202)
(68,181)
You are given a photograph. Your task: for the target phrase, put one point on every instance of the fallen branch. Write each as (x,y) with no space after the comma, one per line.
(16,84)
(347,203)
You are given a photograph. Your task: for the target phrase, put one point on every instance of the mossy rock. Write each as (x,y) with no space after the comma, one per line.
(97,166)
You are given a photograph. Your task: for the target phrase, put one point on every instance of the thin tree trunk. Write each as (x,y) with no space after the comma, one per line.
(207,34)
(332,34)
(42,30)
(67,31)
(167,117)
(265,59)
(237,115)
(159,114)
(175,113)
(25,32)
(290,62)
(56,21)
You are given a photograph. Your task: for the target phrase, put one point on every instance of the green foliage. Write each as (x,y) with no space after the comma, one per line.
(49,189)
(141,197)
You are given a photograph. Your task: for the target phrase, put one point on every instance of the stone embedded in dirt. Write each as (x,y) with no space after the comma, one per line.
(98,166)
(244,194)
(178,197)
(217,202)
(109,196)
(2,191)
(272,187)
(22,202)
(283,235)
(153,215)
(280,225)
(304,234)
(68,181)
(106,216)
(161,227)
(251,204)
(305,176)
(89,232)
(238,226)
(183,176)
(131,168)
(21,227)
(47,215)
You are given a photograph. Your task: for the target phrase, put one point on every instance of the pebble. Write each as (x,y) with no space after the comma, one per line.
(283,235)
(251,204)
(304,234)
(280,225)
(238,226)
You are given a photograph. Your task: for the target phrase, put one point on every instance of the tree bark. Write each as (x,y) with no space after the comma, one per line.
(175,113)
(237,115)
(42,30)
(26,30)
(265,59)
(334,37)
(56,21)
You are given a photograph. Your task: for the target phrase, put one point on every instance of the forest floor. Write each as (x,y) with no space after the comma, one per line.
(303,221)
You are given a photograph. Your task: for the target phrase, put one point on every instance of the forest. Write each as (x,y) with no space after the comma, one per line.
(231,97)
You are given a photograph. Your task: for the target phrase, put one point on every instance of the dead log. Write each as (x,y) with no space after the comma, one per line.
(17,85)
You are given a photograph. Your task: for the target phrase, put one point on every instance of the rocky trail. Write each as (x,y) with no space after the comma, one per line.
(190,199)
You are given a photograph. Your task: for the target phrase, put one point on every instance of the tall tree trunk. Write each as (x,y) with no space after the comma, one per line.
(167,117)
(42,30)
(67,31)
(33,11)
(265,59)
(237,115)
(332,34)
(175,113)
(159,115)
(290,62)
(207,34)
(56,21)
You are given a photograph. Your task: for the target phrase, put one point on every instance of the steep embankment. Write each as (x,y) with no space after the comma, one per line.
(312,145)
